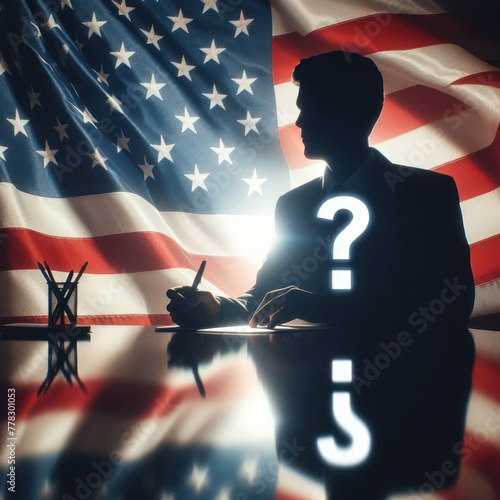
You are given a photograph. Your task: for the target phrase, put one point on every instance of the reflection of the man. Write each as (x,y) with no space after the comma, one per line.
(416,422)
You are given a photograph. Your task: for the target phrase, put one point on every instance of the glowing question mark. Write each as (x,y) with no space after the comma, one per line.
(341,278)
(359,448)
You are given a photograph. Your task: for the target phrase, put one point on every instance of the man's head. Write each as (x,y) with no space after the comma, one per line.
(340,98)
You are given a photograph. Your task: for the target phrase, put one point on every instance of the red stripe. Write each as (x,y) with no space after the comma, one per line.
(490,78)
(477,173)
(367,35)
(234,381)
(485,378)
(101,319)
(485,260)
(408,109)
(121,253)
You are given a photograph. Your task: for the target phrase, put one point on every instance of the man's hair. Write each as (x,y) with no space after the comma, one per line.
(344,77)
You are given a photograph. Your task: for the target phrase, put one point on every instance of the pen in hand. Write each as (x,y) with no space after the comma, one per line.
(199,274)
(194,364)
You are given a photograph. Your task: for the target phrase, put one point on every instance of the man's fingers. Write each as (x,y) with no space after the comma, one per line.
(272,302)
(282,316)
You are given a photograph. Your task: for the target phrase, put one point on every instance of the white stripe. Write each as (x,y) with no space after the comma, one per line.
(436,66)
(100,294)
(299,485)
(483,421)
(304,17)
(482,216)
(487,299)
(487,344)
(82,217)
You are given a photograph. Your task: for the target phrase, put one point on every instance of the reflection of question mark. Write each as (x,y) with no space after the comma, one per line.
(341,278)
(358,450)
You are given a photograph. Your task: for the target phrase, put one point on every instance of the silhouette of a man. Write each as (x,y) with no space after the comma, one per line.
(411,277)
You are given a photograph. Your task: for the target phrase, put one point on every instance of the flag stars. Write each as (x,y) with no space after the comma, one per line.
(61,130)
(94,26)
(249,123)
(249,470)
(183,68)
(151,37)
(2,151)
(197,179)
(210,5)
(98,158)
(48,155)
(187,121)
(34,98)
(102,76)
(4,67)
(224,494)
(86,116)
(212,53)
(122,143)
(153,88)
(215,98)
(180,22)
(241,25)
(147,169)
(19,124)
(51,23)
(66,3)
(122,56)
(115,104)
(244,83)
(198,478)
(254,184)
(163,149)
(123,10)
(223,152)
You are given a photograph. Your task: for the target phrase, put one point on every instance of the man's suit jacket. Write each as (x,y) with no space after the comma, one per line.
(411,277)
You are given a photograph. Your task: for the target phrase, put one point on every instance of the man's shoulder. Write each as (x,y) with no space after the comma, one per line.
(405,178)
(307,190)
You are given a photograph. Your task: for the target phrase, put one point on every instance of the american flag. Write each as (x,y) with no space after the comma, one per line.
(147,136)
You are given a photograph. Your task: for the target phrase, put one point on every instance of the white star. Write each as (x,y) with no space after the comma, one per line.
(115,104)
(216,98)
(241,25)
(86,116)
(147,169)
(223,152)
(122,142)
(180,22)
(94,26)
(197,179)
(34,98)
(2,151)
(51,23)
(163,149)
(254,184)
(48,155)
(183,68)
(98,159)
(122,56)
(123,10)
(210,4)
(66,3)
(4,67)
(249,470)
(224,494)
(61,129)
(18,124)
(187,121)
(212,53)
(152,37)
(244,83)
(153,88)
(249,123)
(198,477)
(167,496)
(101,76)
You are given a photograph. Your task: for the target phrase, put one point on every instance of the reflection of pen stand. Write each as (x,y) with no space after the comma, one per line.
(62,345)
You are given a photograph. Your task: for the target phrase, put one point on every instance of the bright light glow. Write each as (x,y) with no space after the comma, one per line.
(342,370)
(341,279)
(360,447)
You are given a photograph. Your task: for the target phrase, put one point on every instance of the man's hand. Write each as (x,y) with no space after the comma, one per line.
(286,304)
(193,308)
